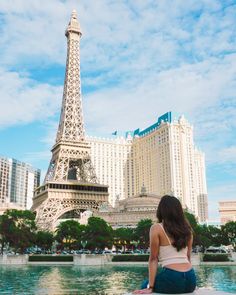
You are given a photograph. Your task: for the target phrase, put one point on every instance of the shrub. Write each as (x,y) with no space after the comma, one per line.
(48,258)
(215,257)
(134,258)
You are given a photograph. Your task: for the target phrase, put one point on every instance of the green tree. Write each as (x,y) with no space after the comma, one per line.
(3,240)
(69,233)
(202,236)
(191,219)
(229,233)
(195,227)
(17,228)
(98,234)
(141,232)
(123,236)
(204,241)
(44,239)
(215,235)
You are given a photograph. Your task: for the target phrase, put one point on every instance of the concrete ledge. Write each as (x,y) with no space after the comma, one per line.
(223,263)
(91,259)
(50,263)
(201,291)
(128,263)
(13,259)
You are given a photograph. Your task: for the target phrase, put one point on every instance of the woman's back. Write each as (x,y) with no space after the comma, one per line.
(168,254)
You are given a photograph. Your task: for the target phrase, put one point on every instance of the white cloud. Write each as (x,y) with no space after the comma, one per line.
(227,155)
(192,89)
(32,31)
(23,100)
(116,29)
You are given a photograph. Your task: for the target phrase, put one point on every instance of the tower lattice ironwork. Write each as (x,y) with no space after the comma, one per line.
(70,164)
(71,154)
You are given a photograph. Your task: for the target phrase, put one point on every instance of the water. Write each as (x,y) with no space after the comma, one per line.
(112,280)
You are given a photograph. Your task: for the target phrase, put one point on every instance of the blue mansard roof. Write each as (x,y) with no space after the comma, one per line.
(167,117)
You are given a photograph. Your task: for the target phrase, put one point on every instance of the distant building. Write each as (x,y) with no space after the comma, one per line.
(128,212)
(113,163)
(227,211)
(8,205)
(17,183)
(201,187)
(162,158)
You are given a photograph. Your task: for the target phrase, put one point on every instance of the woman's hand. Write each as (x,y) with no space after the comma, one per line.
(143,291)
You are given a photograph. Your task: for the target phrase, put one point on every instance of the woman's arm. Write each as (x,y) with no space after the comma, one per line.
(153,261)
(190,243)
(153,258)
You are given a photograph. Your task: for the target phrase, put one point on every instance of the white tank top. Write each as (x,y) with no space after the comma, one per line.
(169,254)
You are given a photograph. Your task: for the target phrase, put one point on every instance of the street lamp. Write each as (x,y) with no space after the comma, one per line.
(84,243)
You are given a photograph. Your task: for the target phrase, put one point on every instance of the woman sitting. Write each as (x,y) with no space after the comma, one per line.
(170,244)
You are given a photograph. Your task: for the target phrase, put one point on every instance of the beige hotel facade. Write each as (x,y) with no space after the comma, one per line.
(227,210)
(162,158)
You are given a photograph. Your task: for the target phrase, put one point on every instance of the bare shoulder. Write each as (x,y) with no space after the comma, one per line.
(155,228)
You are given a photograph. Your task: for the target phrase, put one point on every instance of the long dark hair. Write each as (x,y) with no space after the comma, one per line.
(170,213)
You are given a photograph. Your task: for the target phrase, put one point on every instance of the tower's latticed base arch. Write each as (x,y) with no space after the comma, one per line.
(54,199)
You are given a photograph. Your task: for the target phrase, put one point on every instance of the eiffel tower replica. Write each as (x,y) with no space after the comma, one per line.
(70,183)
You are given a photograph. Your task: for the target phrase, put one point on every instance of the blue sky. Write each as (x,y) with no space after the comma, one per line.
(139,59)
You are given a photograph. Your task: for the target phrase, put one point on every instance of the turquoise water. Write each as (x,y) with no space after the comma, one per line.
(112,280)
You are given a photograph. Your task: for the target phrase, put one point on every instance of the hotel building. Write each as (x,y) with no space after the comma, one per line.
(227,211)
(17,183)
(162,158)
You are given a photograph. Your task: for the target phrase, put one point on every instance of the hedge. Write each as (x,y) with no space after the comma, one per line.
(56,258)
(127,257)
(215,257)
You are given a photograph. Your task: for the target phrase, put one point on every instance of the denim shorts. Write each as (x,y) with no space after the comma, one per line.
(170,281)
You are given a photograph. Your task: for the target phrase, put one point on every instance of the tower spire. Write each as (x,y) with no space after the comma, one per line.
(71,126)
(73,25)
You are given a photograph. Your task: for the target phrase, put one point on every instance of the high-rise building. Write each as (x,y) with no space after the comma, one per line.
(112,159)
(5,179)
(162,158)
(17,183)
(201,186)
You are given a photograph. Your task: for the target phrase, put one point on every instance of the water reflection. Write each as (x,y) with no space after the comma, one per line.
(20,279)
(51,283)
(217,277)
(109,280)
